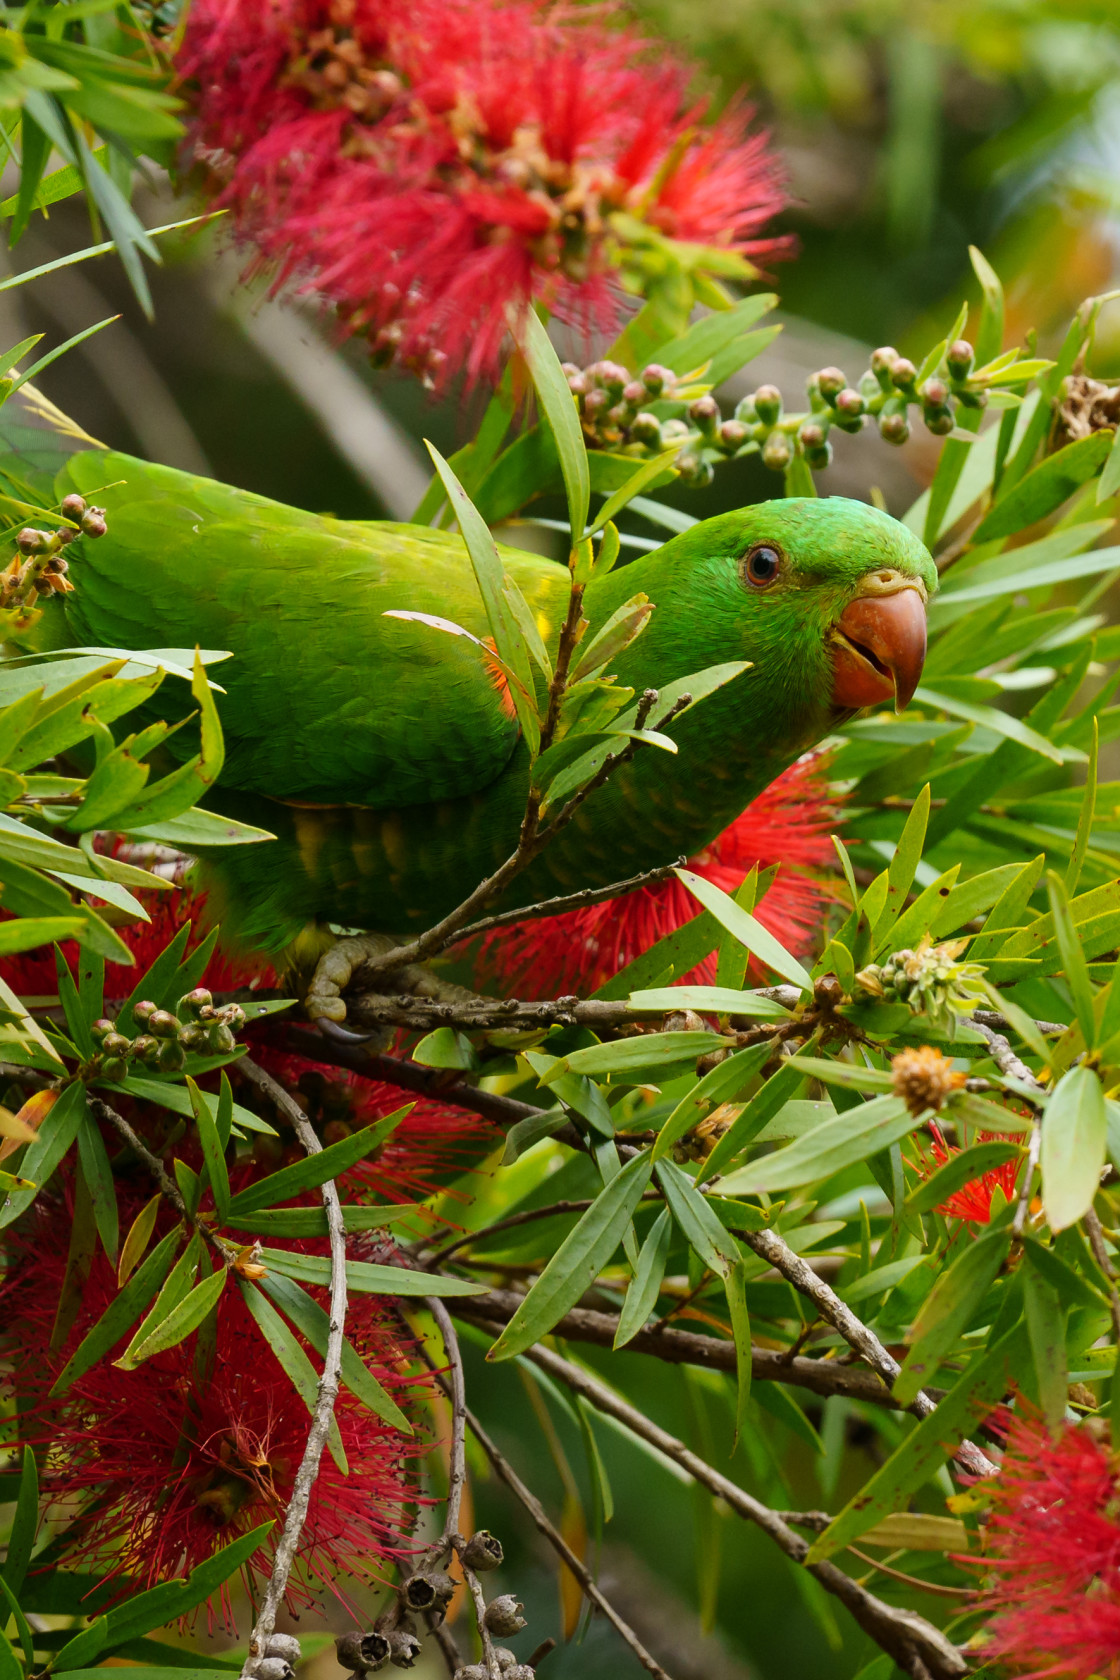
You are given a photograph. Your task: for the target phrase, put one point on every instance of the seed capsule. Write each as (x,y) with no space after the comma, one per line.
(404,1648)
(483,1551)
(503,1615)
(284,1645)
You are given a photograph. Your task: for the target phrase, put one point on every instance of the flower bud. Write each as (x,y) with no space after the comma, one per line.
(657,379)
(162,1023)
(595,403)
(939,421)
(30,541)
(634,393)
(768,403)
(577,384)
(404,1648)
(116,1044)
(732,435)
(65,534)
(820,457)
(746,411)
(645,428)
(101,1029)
(673,431)
(694,472)
(882,364)
(172,1057)
(959,357)
(869,386)
(428,1589)
(503,1615)
(143,1011)
(610,376)
(194,1002)
(894,428)
(972,399)
(850,402)
(192,1036)
(934,393)
(482,1551)
(73,506)
(777,452)
(362,1651)
(219,1039)
(570,369)
(903,373)
(830,382)
(114,1067)
(145,1048)
(704,414)
(234,1016)
(812,434)
(93,522)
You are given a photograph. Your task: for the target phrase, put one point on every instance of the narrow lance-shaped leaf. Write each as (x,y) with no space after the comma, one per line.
(743,927)
(121,1313)
(1073,958)
(559,408)
(181,1321)
(1046,1328)
(698,1220)
(179,1283)
(735,1286)
(212,1150)
(25,1523)
(298,1368)
(948,1308)
(645,1286)
(827,1149)
(314,1170)
(577,1262)
(313,1322)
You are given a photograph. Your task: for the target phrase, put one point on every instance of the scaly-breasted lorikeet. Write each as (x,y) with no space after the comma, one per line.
(384,755)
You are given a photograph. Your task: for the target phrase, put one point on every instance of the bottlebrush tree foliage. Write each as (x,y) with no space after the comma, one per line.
(818,1127)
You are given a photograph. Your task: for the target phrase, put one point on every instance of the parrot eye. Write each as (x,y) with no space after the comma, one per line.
(762,565)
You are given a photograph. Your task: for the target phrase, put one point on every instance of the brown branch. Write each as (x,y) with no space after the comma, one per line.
(573,901)
(456,1391)
(918,1647)
(769,1246)
(823,1377)
(327,1394)
(1101,1256)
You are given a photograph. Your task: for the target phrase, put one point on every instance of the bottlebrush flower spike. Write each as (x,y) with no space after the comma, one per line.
(973,1201)
(423,166)
(162,1465)
(788,824)
(1052,1546)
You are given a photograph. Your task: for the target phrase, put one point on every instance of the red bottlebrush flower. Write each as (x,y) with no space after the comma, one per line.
(422,167)
(1052,1544)
(973,1201)
(165,1464)
(788,824)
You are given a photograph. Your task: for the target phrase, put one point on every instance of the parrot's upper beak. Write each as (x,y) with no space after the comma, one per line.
(879,643)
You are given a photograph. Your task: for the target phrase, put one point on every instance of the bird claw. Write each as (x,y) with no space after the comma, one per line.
(342,1035)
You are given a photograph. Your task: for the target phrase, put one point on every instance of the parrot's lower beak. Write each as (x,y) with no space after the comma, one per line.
(879,644)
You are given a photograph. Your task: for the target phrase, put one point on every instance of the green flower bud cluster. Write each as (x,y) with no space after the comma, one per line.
(39,566)
(614,405)
(166,1038)
(930,981)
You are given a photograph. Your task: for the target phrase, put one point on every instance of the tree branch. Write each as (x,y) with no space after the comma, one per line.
(327,1393)
(918,1647)
(823,1377)
(572,901)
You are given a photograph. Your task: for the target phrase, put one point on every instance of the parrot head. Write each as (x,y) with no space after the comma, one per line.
(825,597)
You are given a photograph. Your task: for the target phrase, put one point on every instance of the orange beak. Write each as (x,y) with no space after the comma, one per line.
(878,650)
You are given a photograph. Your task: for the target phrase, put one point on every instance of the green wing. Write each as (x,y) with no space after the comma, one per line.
(328,701)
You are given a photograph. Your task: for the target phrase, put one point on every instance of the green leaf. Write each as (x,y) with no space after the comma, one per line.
(720,1084)
(26,933)
(180,1322)
(52,1141)
(990,717)
(645,475)
(1073,1147)
(297,1367)
(558,405)
(1110,475)
(313,1323)
(1073,959)
(575,1091)
(1045,487)
(142,1612)
(756,1115)
(624,625)
(675,953)
(702,1227)
(714,334)
(314,1170)
(827,1149)
(447,1048)
(645,1286)
(904,865)
(959,1170)
(710,1000)
(1046,1329)
(628,1055)
(911,1465)
(745,929)
(948,1308)
(577,1262)
(178,1285)
(989,338)
(25,1524)
(121,1313)
(139,1235)
(9,1662)
(312,1221)
(97,1170)
(735,1286)
(1085,819)
(212,1149)
(367,1279)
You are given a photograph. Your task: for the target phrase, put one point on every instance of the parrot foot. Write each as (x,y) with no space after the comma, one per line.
(340,969)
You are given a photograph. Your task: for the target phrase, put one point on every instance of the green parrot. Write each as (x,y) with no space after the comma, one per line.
(385,756)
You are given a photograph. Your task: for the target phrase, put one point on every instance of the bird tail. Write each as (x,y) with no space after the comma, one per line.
(36,441)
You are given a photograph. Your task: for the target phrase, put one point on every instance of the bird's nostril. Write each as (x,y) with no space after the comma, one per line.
(885,577)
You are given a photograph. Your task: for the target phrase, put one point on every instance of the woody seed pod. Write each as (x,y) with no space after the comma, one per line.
(284,1645)
(429,1589)
(404,1648)
(482,1551)
(503,1615)
(274,1668)
(361,1651)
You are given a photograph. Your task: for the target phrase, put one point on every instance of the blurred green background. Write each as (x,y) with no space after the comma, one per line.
(910,130)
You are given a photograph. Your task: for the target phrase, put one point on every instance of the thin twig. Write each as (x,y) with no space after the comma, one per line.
(449,1650)
(167,1186)
(823,1377)
(915,1644)
(583,1575)
(1012,1067)
(457,1468)
(327,1393)
(912,1580)
(573,901)
(769,1246)
(1101,1256)
(478,1599)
